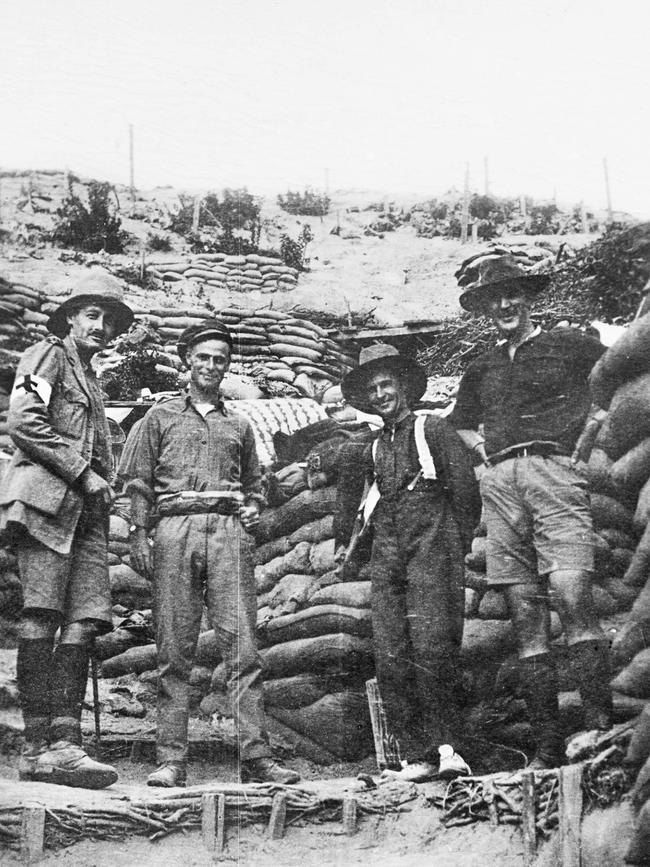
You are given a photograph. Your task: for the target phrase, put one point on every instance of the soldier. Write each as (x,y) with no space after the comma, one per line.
(192,465)
(422,526)
(54,509)
(529,397)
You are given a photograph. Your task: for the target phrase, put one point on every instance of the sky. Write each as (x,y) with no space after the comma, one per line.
(392,96)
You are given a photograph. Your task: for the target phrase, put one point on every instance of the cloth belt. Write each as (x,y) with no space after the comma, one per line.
(199,503)
(543,449)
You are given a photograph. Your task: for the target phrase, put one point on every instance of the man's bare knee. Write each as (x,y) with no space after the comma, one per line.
(78,632)
(38,623)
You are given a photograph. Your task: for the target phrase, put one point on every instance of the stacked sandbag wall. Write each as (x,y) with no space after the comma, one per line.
(22,320)
(248,273)
(620,461)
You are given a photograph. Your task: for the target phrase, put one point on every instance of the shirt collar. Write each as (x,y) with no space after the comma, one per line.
(534,333)
(219,405)
(392,426)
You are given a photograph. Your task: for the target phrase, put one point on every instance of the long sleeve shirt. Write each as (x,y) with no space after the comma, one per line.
(175,448)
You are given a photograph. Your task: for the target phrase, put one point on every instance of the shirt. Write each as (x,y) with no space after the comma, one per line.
(542,393)
(176,449)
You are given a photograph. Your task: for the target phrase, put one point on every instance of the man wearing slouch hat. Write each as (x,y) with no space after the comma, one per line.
(192,471)
(54,508)
(523,406)
(422,525)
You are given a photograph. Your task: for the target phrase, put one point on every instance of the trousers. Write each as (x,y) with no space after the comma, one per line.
(206,558)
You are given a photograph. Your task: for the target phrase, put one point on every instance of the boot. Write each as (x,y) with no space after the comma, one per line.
(69,678)
(33,668)
(167,776)
(266,770)
(539,690)
(66,764)
(591,670)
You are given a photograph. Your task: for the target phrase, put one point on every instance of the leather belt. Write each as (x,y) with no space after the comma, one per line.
(541,449)
(199,503)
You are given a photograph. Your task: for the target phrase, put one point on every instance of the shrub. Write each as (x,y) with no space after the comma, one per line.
(158,243)
(91,227)
(232,224)
(307,204)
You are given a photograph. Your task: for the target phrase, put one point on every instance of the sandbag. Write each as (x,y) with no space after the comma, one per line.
(640,612)
(353,594)
(132,661)
(638,749)
(629,414)
(604,603)
(623,594)
(475,560)
(296,560)
(629,357)
(634,680)
(298,691)
(276,548)
(340,722)
(598,472)
(628,641)
(234,387)
(642,513)
(286,349)
(493,606)
(632,471)
(316,620)
(314,531)
(321,557)
(307,506)
(617,539)
(345,653)
(620,561)
(129,588)
(638,571)
(608,512)
(291,592)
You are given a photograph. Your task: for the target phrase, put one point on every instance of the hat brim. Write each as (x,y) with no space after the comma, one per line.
(57,324)
(476,299)
(353,385)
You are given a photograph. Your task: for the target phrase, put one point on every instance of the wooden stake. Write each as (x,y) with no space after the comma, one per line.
(489,798)
(278,816)
(213,822)
(32,835)
(528,817)
(464,220)
(583,218)
(196,213)
(570,815)
(349,816)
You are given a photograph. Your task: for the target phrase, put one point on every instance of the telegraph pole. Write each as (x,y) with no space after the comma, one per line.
(131,172)
(610,217)
(464,220)
(486,176)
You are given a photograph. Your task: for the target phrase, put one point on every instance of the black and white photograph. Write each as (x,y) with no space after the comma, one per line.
(325,433)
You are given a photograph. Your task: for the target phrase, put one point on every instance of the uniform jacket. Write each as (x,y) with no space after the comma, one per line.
(52,423)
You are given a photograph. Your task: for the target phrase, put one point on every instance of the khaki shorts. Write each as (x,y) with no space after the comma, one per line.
(76,585)
(538,519)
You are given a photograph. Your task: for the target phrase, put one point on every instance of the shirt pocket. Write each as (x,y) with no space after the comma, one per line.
(69,413)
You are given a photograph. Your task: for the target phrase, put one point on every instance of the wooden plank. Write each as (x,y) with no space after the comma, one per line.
(570,815)
(489,796)
(528,817)
(32,834)
(349,816)
(278,816)
(213,822)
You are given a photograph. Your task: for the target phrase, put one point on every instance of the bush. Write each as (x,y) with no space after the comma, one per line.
(89,228)
(292,252)
(158,243)
(307,204)
(231,224)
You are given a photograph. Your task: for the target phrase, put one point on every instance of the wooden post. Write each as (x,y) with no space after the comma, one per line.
(349,816)
(583,218)
(528,817)
(142,249)
(489,795)
(486,177)
(475,232)
(570,815)
(32,835)
(608,192)
(196,213)
(131,168)
(278,816)
(213,822)
(464,220)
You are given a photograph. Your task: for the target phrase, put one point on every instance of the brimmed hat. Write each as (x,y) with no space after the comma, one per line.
(382,356)
(97,287)
(495,275)
(209,329)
